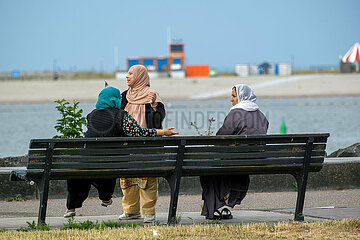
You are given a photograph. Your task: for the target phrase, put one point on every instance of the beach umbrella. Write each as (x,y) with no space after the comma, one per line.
(353,55)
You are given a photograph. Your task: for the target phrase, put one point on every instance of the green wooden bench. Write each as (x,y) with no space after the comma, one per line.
(172,158)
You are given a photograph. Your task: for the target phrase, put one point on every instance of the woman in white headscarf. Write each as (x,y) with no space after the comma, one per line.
(244,118)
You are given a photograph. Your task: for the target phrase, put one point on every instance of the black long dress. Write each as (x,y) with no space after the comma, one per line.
(215,188)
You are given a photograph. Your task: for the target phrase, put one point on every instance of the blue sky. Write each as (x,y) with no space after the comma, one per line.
(220,33)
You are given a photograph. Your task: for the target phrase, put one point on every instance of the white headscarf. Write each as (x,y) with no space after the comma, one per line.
(246,97)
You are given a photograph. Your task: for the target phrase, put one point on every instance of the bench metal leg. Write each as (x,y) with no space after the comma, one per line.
(300,199)
(174,184)
(301,179)
(43,186)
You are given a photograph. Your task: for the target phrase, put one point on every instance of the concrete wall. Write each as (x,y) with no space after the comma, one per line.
(337,173)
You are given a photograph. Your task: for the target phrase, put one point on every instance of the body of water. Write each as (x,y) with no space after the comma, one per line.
(339,116)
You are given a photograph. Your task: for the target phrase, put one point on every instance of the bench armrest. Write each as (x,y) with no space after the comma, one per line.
(18,175)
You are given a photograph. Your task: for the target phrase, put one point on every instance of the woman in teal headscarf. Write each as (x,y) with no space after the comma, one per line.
(109,97)
(107,120)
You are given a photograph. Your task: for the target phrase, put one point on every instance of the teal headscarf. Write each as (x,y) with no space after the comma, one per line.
(109,97)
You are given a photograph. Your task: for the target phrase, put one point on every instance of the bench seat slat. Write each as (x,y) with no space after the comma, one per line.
(151,157)
(61,174)
(273,162)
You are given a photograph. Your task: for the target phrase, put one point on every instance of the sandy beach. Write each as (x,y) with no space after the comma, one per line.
(40,91)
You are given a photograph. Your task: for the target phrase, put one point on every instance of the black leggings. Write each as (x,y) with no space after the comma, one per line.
(78,190)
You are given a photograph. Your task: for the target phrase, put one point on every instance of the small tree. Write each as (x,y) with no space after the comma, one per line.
(71,123)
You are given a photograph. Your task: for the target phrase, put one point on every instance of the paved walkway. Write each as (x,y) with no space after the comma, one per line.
(257,207)
(240,216)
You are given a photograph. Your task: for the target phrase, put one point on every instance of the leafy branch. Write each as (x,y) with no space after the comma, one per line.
(207,132)
(71,122)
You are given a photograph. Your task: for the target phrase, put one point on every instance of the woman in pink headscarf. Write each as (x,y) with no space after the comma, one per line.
(147,108)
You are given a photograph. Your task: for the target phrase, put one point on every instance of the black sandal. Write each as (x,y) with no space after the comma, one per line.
(226,214)
(218,216)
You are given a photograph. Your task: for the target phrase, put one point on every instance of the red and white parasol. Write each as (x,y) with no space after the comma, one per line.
(353,55)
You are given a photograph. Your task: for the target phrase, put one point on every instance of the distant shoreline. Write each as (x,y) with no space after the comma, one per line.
(320,85)
(93,100)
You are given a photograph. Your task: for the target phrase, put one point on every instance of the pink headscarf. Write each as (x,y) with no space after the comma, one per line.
(139,94)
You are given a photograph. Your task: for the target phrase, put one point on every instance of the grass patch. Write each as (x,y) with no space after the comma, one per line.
(87,225)
(226,74)
(302,72)
(72,224)
(345,229)
(14,199)
(211,222)
(93,75)
(32,227)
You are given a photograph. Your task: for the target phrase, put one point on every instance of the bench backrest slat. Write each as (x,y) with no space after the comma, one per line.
(256,161)
(105,158)
(284,169)
(118,142)
(103,152)
(253,148)
(249,155)
(108,165)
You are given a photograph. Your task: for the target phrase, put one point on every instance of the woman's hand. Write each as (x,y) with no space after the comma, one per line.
(166,132)
(154,105)
(152,97)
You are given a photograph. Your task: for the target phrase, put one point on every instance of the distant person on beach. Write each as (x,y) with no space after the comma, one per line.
(107,120)
(244,118)
(147,108)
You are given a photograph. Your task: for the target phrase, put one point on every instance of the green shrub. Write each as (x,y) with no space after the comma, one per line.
(70,125)
(17,198)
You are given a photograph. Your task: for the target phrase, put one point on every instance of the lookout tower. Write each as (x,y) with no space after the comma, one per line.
(176,55)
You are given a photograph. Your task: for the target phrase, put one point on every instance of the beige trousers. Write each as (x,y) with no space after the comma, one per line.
(136,199)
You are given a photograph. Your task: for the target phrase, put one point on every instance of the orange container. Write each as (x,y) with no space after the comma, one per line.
(197,70)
